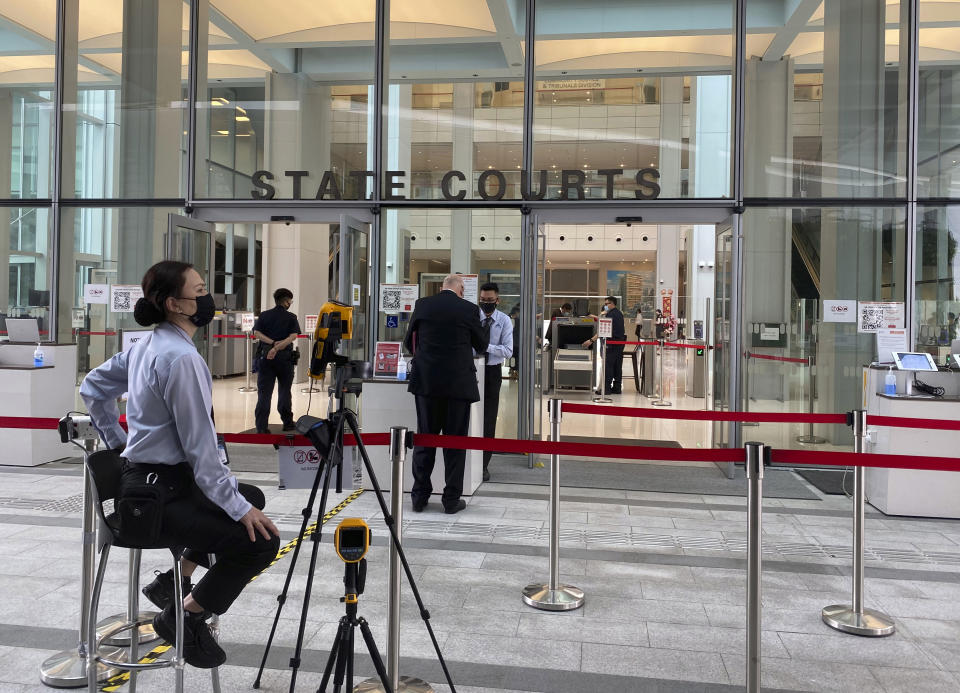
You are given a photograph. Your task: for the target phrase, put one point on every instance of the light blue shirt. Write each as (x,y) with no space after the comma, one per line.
(501,337)
(169,400)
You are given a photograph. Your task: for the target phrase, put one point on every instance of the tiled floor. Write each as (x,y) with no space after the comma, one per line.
(658,617)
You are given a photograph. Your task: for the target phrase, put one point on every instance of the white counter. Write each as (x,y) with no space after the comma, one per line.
(37,392)
(386,403)
(918,493)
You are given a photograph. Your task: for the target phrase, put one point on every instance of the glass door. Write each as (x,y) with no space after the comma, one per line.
(349,273)
(723,334)
(191,240)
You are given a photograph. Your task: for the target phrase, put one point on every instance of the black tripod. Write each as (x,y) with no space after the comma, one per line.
(341,654)
(327,437)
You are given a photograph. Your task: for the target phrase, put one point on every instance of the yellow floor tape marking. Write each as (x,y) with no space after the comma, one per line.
(115,682)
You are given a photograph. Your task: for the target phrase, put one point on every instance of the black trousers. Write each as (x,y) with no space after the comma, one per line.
(201,527)
(276,370)
(613,365)
(440,415)
(492,379)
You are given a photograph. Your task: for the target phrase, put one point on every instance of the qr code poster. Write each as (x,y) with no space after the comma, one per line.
(398,298)
(123,297)
(873,316)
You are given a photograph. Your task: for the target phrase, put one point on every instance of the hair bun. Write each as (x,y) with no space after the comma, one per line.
(146,314)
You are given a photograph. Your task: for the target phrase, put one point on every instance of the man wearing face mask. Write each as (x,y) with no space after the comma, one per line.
(613,368)
(499,330)
(276,330)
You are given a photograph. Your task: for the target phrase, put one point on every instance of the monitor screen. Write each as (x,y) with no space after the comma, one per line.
(914,361)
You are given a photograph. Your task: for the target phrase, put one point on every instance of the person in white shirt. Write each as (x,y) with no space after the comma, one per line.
(500,329)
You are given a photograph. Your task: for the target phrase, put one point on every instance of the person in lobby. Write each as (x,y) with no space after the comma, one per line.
(171,438)
(443,334)
(499,331)
(276,330)
(613,359)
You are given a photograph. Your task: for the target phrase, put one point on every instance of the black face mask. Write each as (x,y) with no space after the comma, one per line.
(488,308)
(205,310)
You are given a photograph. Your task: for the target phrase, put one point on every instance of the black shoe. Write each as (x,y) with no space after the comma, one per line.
(461,505)
(263,431)
(486,475)
(160,591)
(290,426)
(200,649)
(418,507)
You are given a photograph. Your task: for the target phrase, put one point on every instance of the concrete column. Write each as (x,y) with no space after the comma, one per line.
(297,139)
(850,244)
(151,130)
(461,237)
(701,252)
(6,127)
(671,135)
(710,136)
(768,150)
(668,265)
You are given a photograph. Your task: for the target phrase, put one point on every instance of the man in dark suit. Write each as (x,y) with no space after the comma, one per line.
(444,332)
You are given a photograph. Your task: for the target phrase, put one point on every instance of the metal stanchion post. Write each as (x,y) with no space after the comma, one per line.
(810,437)
(247,388)
(602,397)
(662,401)
(755,458)
(68,669)
(398,683)
(553,596)
(854,618)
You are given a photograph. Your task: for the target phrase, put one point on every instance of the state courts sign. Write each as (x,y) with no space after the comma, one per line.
(491,185)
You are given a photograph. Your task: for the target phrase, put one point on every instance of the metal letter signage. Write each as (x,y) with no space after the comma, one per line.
(573,185)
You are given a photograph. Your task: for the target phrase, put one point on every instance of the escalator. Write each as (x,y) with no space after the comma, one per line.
(805,260)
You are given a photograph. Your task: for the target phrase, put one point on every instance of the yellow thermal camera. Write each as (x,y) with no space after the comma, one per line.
(352,539)
(334,322)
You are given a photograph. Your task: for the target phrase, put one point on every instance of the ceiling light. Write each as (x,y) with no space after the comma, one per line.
(242,119)
(242,110)
(223,132)
(218,101)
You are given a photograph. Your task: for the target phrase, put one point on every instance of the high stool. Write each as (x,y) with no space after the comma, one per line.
(105,471)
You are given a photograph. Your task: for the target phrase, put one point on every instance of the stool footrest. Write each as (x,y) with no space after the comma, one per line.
(121,627)
(137,666)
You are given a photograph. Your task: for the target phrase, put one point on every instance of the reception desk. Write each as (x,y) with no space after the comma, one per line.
(911,492)
(46,392)
(385,403)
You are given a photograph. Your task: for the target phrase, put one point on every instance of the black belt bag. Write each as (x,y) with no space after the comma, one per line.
(144,491)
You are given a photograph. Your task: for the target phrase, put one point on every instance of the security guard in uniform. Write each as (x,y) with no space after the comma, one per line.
(276,329)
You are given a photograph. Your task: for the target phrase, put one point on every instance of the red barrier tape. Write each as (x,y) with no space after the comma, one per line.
(100,334)
(682,345)
(853,459)
(546,447)
(371,439)
(31,422)
(689,415)
(767,357)
(901,422)
(610,341)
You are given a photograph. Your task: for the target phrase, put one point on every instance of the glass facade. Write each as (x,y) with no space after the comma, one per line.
(829,137)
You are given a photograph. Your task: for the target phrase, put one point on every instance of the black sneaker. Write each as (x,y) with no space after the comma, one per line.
(200,649)
(160,591)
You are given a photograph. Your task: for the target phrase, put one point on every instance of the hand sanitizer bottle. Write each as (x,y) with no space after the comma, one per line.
(401,368)
(890,383)
(38,357)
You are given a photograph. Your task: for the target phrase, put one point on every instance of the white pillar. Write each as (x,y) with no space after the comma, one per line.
(671,135)
(461,226)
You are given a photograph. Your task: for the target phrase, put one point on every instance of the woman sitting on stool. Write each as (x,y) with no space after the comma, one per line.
(171,435)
